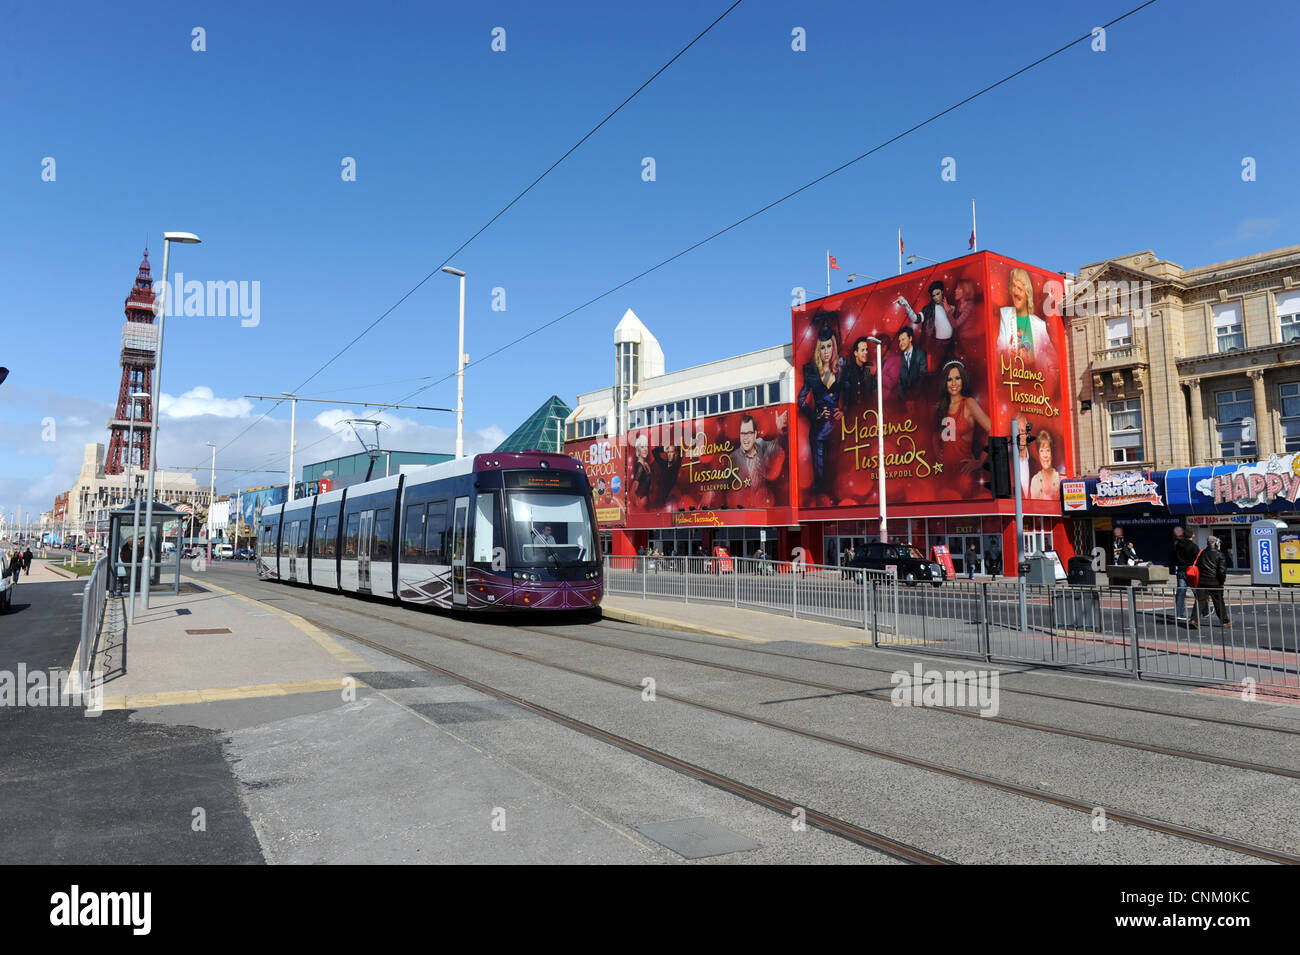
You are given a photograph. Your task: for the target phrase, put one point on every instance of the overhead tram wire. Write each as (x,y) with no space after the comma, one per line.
(771,205)
(504,209)
(790,195)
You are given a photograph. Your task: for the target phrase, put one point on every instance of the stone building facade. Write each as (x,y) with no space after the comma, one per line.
(1176,367)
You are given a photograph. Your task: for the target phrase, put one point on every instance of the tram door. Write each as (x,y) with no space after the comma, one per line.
(290,546)
(458,598)
(363,551)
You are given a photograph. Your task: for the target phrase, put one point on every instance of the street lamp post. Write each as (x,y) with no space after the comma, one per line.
(460,367)
(293,441)
(135,497)
(913,257)
(880,441)
(861,275)
(187,238)
(212,496)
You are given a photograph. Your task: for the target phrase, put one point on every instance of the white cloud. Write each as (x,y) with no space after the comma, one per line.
(199,401)
(1252,230)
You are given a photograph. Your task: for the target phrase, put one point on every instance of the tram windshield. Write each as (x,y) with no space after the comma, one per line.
(549,528)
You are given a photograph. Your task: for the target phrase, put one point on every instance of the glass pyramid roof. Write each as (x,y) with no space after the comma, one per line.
(540,431)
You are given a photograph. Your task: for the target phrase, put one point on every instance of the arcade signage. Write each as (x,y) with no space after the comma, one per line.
(1125,489)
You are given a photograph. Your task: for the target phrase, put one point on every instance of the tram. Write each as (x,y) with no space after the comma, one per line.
(512,531)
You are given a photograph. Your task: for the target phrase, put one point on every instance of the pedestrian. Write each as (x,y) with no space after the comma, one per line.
(27,561)
(1213,572)
(972,558)
(1183,555)
(15,566)
(1119,548)
(994,559)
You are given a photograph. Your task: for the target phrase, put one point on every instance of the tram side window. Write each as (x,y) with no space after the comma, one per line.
(381,543)
(487,528)
(265,540)
(435,533)
(350,536)
(303,528)
(321,544)
(331,537)
(413,535)
(286,539)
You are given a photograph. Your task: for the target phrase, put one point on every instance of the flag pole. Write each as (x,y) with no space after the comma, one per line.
(828,272)
(900,251)
(974,237)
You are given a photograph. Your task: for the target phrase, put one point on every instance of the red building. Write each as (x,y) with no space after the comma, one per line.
(779,448)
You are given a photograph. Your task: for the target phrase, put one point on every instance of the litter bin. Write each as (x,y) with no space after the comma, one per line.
(1080,573)
(1076,608)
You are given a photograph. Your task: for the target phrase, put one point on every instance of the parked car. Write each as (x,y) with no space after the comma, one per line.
(245,553)
(909,563)
(222,551)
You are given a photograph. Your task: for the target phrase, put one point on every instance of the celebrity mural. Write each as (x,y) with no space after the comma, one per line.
(603,460)
(934,377)
(736,460)
(1029,374)
(966,347)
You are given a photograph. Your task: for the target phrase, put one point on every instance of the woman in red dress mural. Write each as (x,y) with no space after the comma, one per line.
(956,417)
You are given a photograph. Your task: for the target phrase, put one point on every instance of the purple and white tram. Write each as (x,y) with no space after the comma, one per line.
(506,531)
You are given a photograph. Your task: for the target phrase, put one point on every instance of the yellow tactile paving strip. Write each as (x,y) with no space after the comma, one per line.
(322,639)
(216,694)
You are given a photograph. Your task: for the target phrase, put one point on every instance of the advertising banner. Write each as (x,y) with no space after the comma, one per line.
(253,499)
(730,461)
(603,459)
(1030,368)
(964,352)
(1253,487)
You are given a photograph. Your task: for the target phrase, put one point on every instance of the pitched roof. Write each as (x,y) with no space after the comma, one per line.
(540,431)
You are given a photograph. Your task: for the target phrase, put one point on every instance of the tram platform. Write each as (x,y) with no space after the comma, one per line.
(210,644)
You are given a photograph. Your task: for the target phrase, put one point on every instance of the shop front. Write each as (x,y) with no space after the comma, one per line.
(1220,501)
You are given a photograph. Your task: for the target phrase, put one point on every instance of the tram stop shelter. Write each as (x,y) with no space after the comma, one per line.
(164,573)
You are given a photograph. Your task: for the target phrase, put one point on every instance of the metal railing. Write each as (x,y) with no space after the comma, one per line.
(1121,631)
(93,600)
(867,599)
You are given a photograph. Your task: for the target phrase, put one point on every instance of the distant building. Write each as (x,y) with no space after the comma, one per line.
(1184,376)
(95,494)
(351,469)
(542,430)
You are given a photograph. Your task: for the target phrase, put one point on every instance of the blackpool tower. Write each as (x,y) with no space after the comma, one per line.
(139,346)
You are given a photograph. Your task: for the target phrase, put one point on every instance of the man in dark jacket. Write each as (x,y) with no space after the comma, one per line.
(1182,557)
(1214,571)
(27,561)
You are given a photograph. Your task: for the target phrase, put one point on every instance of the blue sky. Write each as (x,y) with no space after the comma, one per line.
(1090,155)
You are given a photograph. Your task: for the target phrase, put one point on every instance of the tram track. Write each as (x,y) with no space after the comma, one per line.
(1017,691)
(952,710)
(828,823)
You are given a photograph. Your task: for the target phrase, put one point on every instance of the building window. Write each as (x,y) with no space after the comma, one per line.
(1227,327)
(1288,315)
(1119,332)
(1291,415)
(1126,431)
(774,393)
(1236,418)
